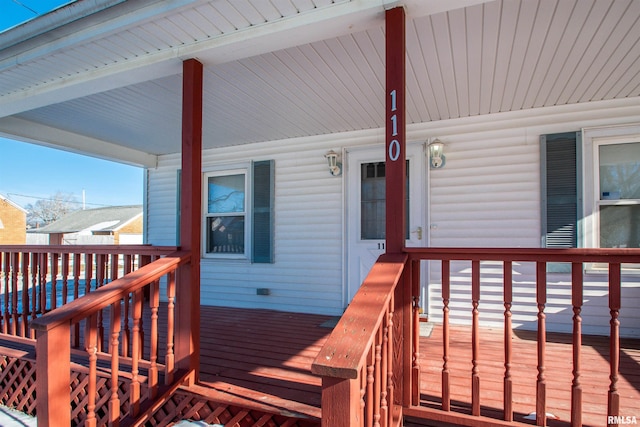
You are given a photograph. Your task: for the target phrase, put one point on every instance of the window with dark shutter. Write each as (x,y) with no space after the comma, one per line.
(263,196)
(561,189)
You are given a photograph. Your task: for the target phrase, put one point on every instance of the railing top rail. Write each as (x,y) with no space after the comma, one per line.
(345,351)
(605,255)
(103,297)
(92,249)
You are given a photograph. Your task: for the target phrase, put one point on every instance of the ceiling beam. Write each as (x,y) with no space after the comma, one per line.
(32,132)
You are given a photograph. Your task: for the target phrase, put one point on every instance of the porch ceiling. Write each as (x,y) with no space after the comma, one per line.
(109,84)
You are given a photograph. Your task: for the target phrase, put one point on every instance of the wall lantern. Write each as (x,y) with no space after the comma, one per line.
(335,167)
(436,154)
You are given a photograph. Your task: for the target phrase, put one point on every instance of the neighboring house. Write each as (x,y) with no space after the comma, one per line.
(538,107)
(113,225)
(13,223)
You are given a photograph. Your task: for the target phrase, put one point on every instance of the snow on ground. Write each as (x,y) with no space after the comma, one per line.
(12,418)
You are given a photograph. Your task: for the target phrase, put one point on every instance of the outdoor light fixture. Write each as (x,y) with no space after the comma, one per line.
(436,154)
(335,167)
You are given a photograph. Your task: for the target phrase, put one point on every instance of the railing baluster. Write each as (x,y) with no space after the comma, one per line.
(134,395)
(377,376)
(508,347)
(171,298)
(15,268)
(154,302)
(101,261)
(126,337)
(91,346)
(5,307)
(415,359)
(54,281)
(390,366)
(541,383)
(576,302)
(446,291)
(363,391)
(24,330)
(384,371)
(88,272)
(115,267)
(35,264)
(114,401)
(65,278)
(370,388)
(475,338)
(75,342)
(613,404)
(42,289)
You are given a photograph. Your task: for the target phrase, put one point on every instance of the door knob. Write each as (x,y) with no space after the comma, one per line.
(418,232)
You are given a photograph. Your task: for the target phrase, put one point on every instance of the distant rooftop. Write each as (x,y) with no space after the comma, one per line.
(101,219)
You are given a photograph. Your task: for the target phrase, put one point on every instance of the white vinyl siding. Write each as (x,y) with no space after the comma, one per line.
(487,195)
(306,275)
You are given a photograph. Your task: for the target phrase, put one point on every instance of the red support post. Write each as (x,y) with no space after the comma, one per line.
(341,402)
(187,347)
(395,135)
(53,348)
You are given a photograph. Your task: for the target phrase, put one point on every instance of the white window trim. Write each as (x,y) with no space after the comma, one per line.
(224,170)
(592,139)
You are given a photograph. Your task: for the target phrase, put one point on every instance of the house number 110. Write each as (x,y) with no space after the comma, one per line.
(394,146)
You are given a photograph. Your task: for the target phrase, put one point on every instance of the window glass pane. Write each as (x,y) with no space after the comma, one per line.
(226,194)
(372,201)
(620,171)
(620,226)
(225,234)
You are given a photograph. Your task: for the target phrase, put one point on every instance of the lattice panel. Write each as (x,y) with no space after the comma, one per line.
(79,385)
(17,390)
(183,405)
(17,384)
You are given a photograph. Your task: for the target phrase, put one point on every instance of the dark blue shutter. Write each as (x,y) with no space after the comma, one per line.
(262,221)
(561,189)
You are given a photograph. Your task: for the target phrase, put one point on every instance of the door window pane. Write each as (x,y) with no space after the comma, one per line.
(372,201)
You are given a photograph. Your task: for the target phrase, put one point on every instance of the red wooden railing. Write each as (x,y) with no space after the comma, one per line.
(361,363)
(353,397)
(37,279)
(109,306)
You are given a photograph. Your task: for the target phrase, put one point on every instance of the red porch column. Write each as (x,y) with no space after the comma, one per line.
(395,130)
(187,343)
(396,190)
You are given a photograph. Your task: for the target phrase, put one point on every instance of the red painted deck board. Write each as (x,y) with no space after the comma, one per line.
(263,358)
(266,356)
(558,373)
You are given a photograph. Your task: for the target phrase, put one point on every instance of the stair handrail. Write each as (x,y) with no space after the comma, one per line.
(53,337)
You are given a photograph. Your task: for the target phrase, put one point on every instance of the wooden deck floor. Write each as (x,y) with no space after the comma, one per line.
(265,357)
(558,374)
(262,359)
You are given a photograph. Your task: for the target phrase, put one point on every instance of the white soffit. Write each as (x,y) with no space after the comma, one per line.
(294,68)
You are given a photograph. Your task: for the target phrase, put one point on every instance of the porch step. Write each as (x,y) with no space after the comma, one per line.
(214,407)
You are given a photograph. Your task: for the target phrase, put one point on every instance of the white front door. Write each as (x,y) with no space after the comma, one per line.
(366,208)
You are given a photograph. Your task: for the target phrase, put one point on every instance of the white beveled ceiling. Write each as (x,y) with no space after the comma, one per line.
(278,69)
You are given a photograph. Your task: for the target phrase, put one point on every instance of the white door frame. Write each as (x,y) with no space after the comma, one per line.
(359,253)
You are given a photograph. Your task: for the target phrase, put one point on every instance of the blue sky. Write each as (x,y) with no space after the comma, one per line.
(29,172)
